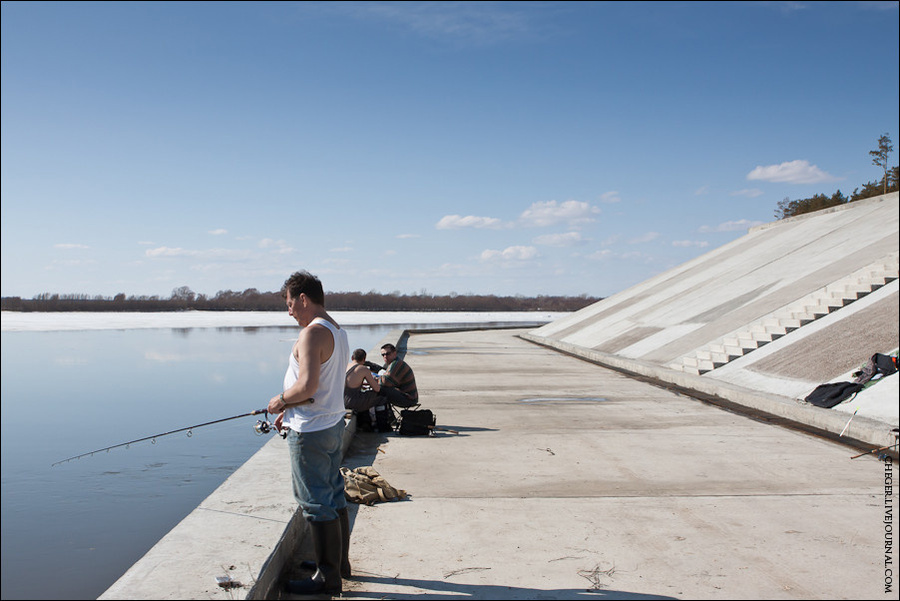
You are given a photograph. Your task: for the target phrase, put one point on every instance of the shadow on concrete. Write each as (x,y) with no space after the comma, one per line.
(365,445)
(428,589)
(364,448)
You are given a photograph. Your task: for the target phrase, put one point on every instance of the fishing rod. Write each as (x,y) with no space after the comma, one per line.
(262,427)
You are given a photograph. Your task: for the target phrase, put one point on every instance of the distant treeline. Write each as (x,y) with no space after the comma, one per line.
(184,299)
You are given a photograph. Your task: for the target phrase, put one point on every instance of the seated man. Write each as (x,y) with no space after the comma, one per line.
(398,384)
(360,385)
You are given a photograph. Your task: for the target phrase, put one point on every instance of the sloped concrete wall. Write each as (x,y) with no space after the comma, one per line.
(675,313)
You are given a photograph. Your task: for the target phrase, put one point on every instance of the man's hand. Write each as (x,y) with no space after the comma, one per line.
(276,404)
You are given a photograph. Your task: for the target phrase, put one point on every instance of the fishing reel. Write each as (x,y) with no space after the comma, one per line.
(264,426)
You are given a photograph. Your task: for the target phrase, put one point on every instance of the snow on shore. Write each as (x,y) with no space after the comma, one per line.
(13,321)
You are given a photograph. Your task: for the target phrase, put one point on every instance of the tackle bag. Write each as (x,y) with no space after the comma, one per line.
(364,485)
(878,366)
(416,422)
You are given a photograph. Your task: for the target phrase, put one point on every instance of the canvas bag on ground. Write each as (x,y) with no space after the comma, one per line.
(364,485)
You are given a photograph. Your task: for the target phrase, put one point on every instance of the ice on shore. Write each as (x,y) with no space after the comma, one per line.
(13,321)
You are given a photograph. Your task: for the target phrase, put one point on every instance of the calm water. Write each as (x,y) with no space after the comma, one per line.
(72,530)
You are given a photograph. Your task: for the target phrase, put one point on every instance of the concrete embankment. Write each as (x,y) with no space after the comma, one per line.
(561,479)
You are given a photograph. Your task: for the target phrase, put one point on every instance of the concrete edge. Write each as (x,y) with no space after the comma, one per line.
(863,433)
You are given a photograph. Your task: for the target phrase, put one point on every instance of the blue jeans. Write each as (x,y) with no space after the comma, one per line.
(316,472)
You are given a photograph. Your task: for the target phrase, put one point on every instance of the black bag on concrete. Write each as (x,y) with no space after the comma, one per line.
(382,421)
(835,393)
(416,422)
(878,366)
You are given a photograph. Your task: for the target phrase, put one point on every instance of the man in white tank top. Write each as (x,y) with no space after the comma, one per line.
(311,408)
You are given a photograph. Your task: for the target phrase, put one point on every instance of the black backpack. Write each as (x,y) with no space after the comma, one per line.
(416,422)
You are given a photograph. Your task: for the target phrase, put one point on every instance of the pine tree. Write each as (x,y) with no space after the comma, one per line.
(880,156)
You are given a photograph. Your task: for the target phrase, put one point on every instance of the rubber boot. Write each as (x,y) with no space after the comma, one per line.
(326,539)
(346,572)
(344,518)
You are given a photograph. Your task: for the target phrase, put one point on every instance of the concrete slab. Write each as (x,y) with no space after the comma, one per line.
(568,480)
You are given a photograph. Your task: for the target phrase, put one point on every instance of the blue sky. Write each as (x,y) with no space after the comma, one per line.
(492,148)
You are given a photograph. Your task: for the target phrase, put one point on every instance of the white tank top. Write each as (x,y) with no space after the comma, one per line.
(329,406)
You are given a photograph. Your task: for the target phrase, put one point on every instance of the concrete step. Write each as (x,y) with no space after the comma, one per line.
(817,310)
(784,321)
(696,366)
(748,341)
(715,358)
(850,289)
(730,352)
(735,341)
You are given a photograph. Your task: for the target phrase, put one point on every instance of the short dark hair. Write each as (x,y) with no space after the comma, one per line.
(389,347)
(358,355)
(303,282)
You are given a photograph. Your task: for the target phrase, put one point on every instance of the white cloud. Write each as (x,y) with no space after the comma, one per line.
(209,254)
(69,263)
(701,191)
(648,237)
(407,236)
(792,172)
(611,240)
(551,212)
(688,243)
(512,253)
(452,222)
(279,246)
(165,251)
(65,246)
(600,255)
(218,232)
(567,239)
(748,192)
(730,226)
(611,196)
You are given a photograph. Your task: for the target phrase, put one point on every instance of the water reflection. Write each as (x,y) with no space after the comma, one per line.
(70,531)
